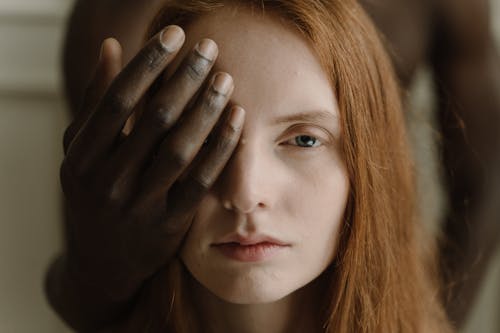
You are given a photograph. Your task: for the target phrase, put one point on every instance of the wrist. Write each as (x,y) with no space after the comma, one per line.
(82,305)
(92,282)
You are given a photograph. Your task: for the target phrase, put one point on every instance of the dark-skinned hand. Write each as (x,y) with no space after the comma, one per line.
(130,198)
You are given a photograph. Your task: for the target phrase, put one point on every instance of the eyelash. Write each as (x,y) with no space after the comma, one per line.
(294,138)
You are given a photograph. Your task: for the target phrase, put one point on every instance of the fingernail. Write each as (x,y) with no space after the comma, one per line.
(172,38)
(223,83)
(237,117)
(207,48)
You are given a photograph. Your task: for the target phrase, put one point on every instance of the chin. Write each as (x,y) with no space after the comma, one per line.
(250,294)
(247,284)
(253,286)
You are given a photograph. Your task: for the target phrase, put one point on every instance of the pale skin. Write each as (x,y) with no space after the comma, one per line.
(275,183)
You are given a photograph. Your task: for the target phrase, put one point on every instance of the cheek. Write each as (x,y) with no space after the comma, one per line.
(319,203)
(203,225)
(319,187)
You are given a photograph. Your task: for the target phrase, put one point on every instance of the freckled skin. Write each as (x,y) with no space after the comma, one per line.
(451,36)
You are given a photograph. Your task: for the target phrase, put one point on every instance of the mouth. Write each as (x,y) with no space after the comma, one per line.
(250,249)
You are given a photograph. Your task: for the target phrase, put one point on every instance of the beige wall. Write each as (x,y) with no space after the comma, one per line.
(32,119)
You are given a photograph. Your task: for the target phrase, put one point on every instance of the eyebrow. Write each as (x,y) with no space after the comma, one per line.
(311,116)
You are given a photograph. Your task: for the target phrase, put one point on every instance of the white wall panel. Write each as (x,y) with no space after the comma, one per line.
(29,57)
(32,118)
(30,135)
(52,9)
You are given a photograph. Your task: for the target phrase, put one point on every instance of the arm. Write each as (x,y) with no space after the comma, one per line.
(467,72)
(83,307)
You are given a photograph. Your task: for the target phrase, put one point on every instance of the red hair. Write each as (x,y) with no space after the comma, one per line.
(382,280)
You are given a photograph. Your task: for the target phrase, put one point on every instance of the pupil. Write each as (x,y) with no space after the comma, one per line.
(306,140)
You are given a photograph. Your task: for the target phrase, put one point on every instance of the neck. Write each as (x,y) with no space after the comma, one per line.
(297,312)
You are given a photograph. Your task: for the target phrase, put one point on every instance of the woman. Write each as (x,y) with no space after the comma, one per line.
(311,225)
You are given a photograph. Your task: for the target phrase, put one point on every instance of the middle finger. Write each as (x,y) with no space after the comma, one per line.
(165,109)
(178,150)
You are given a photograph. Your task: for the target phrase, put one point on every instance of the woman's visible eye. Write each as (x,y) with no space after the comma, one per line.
(305,141)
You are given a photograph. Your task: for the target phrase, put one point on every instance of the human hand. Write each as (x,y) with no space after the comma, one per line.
(130,199)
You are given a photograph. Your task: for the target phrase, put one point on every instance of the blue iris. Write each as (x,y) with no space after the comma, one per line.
(305,141)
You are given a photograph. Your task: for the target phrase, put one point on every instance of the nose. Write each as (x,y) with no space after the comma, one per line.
(244,185)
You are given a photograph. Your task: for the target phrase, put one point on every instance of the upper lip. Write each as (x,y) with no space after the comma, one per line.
(250,239)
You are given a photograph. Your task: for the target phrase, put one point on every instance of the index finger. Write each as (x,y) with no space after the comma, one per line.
(107,68)
(104,126)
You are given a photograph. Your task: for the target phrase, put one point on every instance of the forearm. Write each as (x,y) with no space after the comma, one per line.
(82,307)
(470,104)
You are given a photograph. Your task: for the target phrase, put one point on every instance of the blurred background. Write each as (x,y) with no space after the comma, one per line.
(33,116)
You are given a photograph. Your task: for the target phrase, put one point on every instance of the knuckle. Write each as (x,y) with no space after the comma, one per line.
(178,160)
(225,143)
(163,116)
(119,102)
(196,69)
(213,101)
(202,182)
(113,195)
(153,56)
(231,133)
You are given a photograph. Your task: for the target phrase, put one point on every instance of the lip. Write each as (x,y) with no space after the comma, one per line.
(252,248)
(250,240)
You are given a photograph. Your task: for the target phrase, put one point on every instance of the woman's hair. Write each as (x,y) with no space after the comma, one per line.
(383,276)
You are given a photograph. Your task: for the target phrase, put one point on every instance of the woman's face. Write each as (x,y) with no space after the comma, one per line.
(270,224)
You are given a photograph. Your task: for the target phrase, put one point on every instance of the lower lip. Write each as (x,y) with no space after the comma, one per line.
(250,253)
